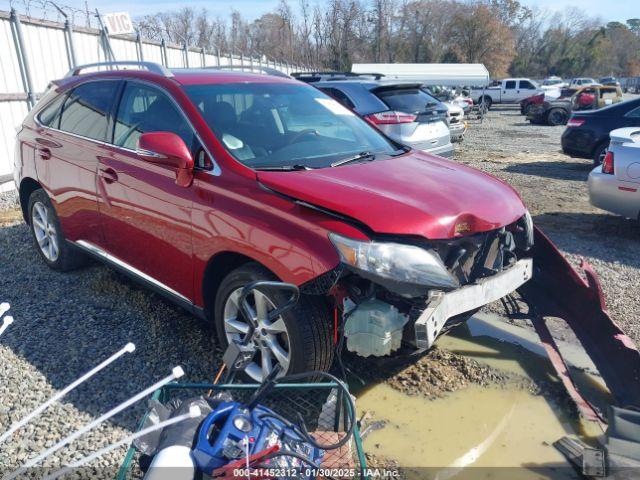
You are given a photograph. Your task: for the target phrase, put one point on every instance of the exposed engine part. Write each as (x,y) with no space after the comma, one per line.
(373,328)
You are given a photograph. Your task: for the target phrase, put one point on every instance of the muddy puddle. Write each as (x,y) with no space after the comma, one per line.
(499,423)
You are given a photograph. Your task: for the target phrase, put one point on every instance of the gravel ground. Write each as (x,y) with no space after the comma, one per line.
(8,200)
(554,188)
(67,323)
(64,325)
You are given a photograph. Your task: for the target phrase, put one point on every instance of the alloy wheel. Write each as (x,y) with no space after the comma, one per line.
(270,339)
(45,231)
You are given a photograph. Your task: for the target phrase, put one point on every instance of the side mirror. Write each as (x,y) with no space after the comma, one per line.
(167,148)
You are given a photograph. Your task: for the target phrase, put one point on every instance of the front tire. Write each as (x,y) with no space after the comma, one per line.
(47,233)
(557,117)
(300,340)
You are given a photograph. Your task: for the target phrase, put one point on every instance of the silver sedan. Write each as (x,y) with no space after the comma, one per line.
(615,185)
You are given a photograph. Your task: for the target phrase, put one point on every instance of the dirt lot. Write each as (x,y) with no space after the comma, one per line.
(554,188)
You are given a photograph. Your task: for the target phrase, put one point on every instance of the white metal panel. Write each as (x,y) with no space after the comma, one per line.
(430,73)
(88,48)
(152,52)
(175,57)
(195,59)
(210,60)
(47,54)
(124,49)
(10,79)
(11,116)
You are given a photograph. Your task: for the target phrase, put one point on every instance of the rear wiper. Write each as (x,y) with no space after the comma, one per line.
(361,156)
(283,168)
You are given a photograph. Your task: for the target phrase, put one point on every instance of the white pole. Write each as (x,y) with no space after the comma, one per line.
(176,373)
(128,348)
(194,412)
(8,320)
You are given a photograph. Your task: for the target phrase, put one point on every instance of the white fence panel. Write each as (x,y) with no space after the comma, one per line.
(152,52)
(88,48)
(124,49)
(11,116)
(195,59)
(175,57)
(10,80)
(47,54)
(211,60)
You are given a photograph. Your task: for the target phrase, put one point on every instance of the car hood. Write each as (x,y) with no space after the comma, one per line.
(415,194)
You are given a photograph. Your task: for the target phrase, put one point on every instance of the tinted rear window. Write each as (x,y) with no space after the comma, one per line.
(409,100)
(50,115)
(86,109)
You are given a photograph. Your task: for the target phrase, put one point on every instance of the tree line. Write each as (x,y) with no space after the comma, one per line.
(508,37)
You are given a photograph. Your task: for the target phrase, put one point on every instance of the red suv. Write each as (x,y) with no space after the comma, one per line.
(198,182)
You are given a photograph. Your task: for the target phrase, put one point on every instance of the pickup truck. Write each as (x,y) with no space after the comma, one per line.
(509,90)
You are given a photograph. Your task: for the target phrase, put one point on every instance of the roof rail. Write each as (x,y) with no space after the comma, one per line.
(318,76)
(253,69)
(150,66)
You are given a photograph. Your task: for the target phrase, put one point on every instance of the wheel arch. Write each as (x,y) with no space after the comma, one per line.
(218,267)
(27,186)
(599,142)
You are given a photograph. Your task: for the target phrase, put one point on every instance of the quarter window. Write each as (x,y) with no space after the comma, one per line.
(50,115)
(340,96)
(145,109)
(86,109)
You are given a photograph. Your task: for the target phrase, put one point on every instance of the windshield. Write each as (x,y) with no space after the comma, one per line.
(284,125)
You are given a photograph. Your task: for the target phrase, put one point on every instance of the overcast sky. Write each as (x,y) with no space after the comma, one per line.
(608,10)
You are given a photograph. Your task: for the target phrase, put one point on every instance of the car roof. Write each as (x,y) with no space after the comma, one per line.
(368,83)
(182,76)
(203,76)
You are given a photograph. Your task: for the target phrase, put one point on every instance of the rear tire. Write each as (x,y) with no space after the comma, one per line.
(600,152)
(487,101)
(48,237)
(557,117)
(307,337)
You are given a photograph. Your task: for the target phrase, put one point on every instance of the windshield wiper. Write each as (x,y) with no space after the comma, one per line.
(283,168)
(361,156)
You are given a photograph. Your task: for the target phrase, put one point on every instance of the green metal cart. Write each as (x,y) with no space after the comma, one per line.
(307,399)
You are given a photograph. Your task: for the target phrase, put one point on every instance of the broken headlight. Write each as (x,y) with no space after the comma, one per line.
(395,261)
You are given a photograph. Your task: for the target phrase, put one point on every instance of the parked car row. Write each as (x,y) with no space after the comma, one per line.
(587,132)
(555,108)
(406,111)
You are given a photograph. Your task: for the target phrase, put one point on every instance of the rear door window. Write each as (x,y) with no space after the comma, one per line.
(86,109)
(510,85)
(146,109)
(408,100)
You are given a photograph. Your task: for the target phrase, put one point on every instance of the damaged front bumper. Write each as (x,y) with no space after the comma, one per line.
(442,306)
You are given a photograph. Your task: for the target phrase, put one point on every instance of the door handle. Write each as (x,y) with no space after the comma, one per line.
(109,175)
(44,152)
